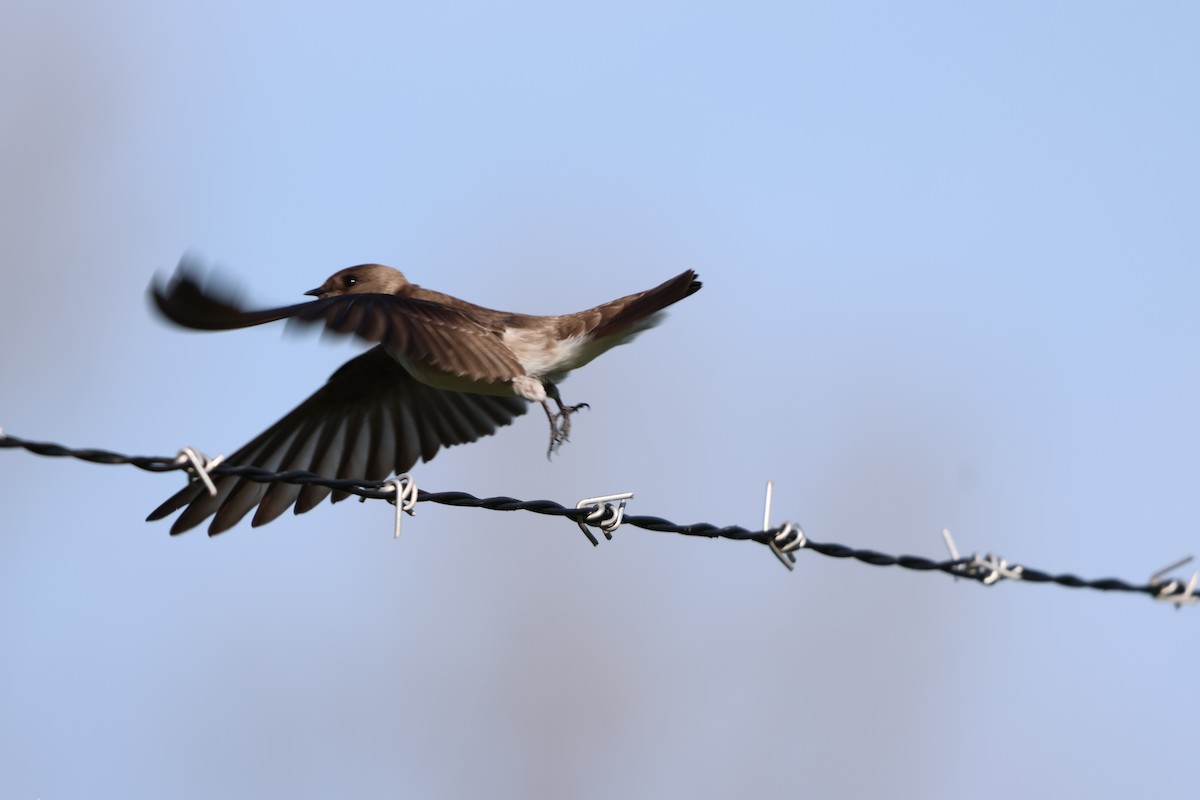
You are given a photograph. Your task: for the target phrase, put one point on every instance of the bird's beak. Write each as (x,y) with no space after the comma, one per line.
(313,293)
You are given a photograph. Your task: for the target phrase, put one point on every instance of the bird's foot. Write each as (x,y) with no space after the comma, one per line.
(560,423)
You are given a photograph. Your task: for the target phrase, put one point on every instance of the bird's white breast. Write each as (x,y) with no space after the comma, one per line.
(543,355)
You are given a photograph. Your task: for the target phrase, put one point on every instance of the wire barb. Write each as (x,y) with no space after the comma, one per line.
(991,569)
(404,498)
(198,465)
(604,516)
(954,556)
(988,570)
(787,540)
(1175,591)
(949,540)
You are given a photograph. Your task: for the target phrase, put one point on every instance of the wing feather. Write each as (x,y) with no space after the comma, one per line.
(371,418)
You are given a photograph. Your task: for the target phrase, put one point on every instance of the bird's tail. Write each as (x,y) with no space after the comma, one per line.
(621,315)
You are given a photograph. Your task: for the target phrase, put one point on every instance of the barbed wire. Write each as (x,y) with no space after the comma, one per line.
(784,540)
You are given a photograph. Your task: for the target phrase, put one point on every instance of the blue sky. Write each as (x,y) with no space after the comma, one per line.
(950,264)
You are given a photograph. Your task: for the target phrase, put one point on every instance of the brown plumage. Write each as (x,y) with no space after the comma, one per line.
(443,371)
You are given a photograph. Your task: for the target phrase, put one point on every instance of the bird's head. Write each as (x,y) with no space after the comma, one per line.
(363,279)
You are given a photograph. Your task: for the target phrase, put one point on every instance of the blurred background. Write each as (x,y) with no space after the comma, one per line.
(950,264)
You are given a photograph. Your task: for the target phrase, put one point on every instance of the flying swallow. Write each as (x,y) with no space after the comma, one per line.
(442,372)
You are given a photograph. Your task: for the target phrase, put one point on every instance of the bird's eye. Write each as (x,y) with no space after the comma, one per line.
(349,281)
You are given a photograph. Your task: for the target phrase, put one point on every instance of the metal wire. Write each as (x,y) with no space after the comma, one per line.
(987,569)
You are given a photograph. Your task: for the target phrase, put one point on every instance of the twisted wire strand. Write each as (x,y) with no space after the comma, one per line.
(969,568)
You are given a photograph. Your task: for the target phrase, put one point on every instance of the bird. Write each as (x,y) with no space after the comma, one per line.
(442,371)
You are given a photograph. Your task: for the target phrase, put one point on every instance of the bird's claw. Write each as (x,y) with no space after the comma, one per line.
(560,426)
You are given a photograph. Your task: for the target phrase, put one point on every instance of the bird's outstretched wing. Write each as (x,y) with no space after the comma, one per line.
(372,418)
(437,335)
